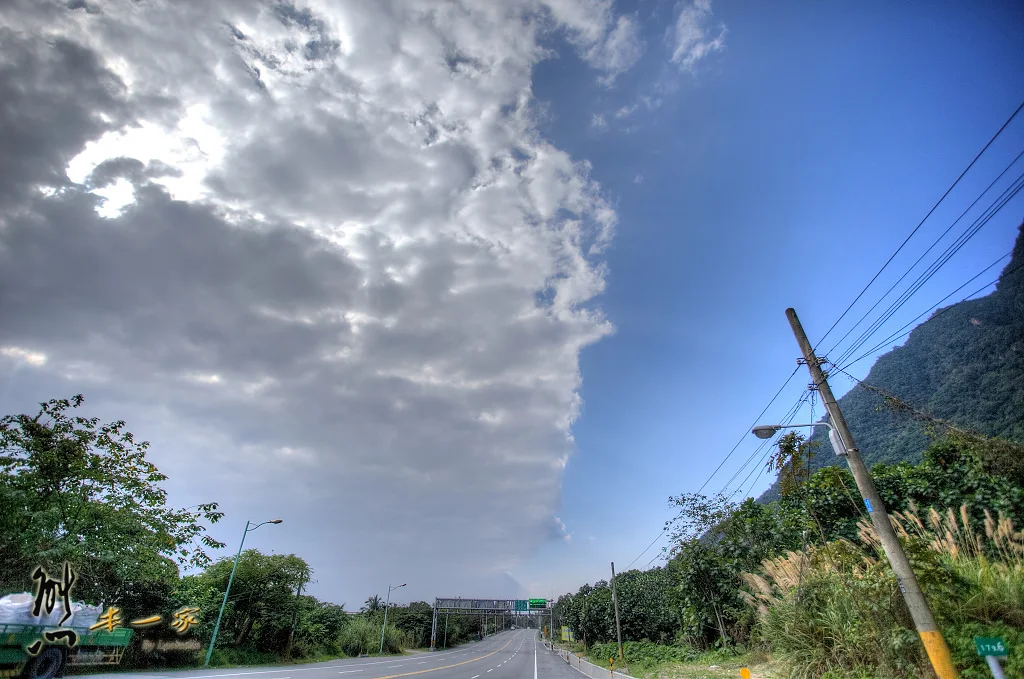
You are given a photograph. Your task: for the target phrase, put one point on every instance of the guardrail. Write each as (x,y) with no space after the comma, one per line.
(593,671)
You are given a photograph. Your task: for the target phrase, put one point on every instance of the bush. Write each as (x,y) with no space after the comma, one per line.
(836,611)
(362,636)
(640,655)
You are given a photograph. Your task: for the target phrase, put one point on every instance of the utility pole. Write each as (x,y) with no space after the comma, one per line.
(931,636)
(295,620)
(615,601)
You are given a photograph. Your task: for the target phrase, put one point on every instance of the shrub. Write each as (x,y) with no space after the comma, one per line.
(836,610)
(640,655)
(362,636)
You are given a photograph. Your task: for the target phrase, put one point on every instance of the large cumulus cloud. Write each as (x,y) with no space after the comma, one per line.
(319,254)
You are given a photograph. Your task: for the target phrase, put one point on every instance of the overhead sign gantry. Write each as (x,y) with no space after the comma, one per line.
(483,607)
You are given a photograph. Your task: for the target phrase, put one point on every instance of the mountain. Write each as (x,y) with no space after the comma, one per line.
(965,365)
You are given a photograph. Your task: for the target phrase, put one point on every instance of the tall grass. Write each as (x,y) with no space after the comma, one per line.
(836,609)
(362,637)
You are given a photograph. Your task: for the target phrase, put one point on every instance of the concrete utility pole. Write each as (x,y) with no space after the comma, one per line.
(615,602)
(931,636)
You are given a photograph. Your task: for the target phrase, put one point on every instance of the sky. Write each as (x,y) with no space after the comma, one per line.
(464,291)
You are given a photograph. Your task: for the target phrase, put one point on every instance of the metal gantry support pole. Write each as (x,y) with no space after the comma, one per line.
(931,636)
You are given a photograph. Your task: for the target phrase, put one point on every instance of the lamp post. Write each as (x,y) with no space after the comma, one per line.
(216,627)
(386,606)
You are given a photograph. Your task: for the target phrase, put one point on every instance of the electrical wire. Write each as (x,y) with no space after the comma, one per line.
(950,251)
(759,467)
(896,334)
(724,460)
(841,316)
(766,443)
(978,291)
(916,228)
(925,253)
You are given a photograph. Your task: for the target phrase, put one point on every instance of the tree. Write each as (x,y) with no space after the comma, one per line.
(74,490)
(373,604)
(262,598)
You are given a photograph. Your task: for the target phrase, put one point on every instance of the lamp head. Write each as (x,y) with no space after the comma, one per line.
(275,521)
(765,431)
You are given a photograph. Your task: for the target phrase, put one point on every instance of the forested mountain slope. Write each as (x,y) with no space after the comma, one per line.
(964,365)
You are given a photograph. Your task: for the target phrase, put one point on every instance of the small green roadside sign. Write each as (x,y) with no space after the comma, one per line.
(990,646)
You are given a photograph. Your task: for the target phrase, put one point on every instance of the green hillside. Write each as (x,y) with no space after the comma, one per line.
(964,365)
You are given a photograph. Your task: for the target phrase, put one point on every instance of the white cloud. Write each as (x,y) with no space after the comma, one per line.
(598,122)
(608,43)
(351,261)
(24,355)
(625,111)
(562,530)
(695,36)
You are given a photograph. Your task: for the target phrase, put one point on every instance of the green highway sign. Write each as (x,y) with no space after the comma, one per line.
(522,605)
(538,603)
(990,646)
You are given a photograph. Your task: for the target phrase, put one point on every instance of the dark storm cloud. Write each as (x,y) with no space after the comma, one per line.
(55,95)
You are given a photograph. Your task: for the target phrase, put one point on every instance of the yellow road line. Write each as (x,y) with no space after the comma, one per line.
(446,667)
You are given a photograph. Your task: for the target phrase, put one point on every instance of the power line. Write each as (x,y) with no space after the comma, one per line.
(892,339)
(790,414)
(932,307)
(785,422)
(752,425)
(724,460)
(907,239)
(948,254)
(923,255)
(838,320)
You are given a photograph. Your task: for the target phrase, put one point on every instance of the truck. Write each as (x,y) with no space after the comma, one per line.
(94,647)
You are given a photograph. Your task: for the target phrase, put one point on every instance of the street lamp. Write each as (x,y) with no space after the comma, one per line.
(766,431)
(386,606)
(216,627)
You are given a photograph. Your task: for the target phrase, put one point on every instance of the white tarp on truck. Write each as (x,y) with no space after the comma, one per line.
(17,609)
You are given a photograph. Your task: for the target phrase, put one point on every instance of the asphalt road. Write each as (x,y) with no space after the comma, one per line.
(516,654)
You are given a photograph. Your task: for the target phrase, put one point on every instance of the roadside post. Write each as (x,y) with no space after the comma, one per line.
(992,649)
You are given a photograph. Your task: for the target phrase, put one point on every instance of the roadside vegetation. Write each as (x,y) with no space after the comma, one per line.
(78,491)
(798,588)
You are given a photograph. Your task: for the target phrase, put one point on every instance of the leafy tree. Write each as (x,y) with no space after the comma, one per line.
(262,598)
(74,490)
(415,620)
(373,604)
(320,624)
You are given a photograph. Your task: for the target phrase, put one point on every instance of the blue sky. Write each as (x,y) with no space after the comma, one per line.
(782,172)
(464,291)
